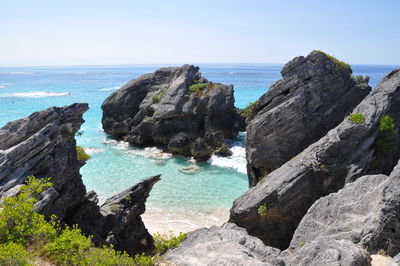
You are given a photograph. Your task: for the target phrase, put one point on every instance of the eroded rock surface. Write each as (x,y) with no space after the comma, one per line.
(350,150)
(118,220)
(173,107)
(231,245)
(365,212)
(225,245)
(43,145)
(313,96)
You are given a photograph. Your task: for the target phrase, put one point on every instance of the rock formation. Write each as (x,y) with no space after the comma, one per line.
(314,94)
(273,209)
(43,145)
(118,220)
(365,212)
(231,245)
(175,108)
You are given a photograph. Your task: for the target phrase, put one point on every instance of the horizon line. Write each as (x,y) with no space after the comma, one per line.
(174,64)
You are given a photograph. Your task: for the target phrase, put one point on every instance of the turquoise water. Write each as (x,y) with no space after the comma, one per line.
(114,165)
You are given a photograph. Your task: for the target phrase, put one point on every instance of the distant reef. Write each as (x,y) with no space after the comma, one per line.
(175,108)
(43,145)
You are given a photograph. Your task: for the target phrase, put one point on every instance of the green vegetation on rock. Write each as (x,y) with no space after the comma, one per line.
(165,242)
(156,98)
(262,210)
(26,237)
(248,110)
(357,118)
(339,63)
(81,154)
(386,140)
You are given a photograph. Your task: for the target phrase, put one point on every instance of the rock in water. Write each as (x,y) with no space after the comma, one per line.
(274,207)
(173,107)
(314,94)
(44,145)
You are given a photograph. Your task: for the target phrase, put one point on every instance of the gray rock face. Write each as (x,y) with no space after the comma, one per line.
(347,152)
(329,253)
(118,220)
(225,245)
(231,245)
(155,108)
(43,145)
(365,212)
(313,96)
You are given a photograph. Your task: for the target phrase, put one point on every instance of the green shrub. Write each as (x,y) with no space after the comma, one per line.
(262,210)
(248,110)
(18,222)
(81,154)
(386,140)
(14,254)
(357,118)
(339,63)
(164,242)
(69,247)
(108,256)
(142,260)
(197,88)
(156,98)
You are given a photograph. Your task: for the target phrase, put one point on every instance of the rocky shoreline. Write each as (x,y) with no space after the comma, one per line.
(323,159)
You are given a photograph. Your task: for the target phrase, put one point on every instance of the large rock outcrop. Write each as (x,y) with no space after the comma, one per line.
(274,207)
(175,108)
(231,245)
(313,96)
(365,212)
(43,145)
(118,220)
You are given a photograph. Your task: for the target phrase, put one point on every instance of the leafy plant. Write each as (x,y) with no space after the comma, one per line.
(81,154)
(18,222)
(386,140)
(69,247)
(357,118)
(248,110)
(262,210)
(14,254)
(164,242)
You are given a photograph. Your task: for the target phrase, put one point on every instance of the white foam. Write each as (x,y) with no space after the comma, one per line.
(19,73)
(110,88)
(6,84)
(237,160)
(2,87)
(34,94)
(91,150)
(149,152)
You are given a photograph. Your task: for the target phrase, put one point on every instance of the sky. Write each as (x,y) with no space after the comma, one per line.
(103,32)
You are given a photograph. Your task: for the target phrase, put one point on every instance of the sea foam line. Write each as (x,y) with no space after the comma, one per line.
(110,88)
(34,94)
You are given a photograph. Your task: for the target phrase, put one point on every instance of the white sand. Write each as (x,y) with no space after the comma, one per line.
(168,222)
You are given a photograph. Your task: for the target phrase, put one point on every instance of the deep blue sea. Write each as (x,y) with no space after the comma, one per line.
(181,199)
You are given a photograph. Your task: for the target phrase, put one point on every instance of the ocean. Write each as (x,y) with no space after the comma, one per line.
(184,199)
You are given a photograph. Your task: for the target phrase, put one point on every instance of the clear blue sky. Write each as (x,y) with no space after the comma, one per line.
(89,32)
